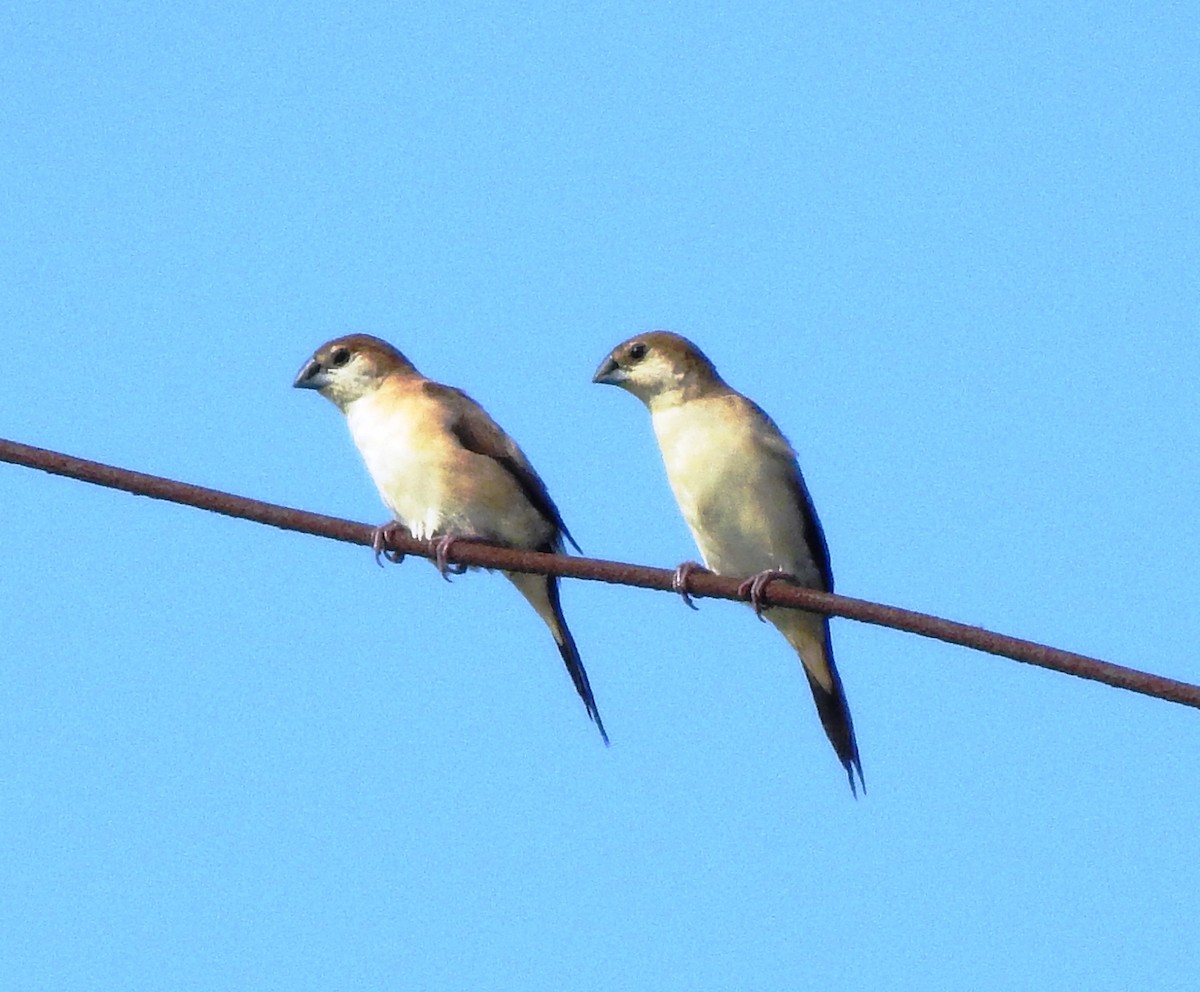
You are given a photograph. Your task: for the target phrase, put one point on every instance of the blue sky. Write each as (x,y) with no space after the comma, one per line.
(953,252)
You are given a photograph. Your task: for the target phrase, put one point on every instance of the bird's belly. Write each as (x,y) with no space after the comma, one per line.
(410,488)
(738,492)
(407,477)
(436,489)
(742,521)
(732,533)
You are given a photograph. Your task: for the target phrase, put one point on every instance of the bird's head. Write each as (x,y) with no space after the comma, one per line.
(345,369)
(659,368)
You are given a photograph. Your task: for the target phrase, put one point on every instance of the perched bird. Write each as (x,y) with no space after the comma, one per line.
(737,483)
(446,470)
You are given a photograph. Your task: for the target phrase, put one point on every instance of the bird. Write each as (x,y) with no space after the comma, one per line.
(739,486)
(447,472)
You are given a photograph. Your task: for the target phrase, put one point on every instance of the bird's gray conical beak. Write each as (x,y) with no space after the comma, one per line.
(610,372)
(312,376)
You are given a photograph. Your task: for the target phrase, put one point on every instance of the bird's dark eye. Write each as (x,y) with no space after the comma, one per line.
(340,357)
(637,351)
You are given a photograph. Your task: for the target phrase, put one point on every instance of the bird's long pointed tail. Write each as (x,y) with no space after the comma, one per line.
(542,593)
(808,634)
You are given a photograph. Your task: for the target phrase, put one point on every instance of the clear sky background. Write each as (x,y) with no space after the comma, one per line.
(953,252)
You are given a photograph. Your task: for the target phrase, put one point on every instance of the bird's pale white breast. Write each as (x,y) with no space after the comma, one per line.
(404,466)
(430,481)
(736,483)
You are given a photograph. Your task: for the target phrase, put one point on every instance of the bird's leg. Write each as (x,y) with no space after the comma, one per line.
(441,551)
(754,587)
(380,539)
(679,581)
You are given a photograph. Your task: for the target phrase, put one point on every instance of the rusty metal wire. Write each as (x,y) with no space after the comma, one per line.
(701,584)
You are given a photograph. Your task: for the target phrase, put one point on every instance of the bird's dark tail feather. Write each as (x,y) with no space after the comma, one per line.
(808,634)
(839,727)
(570,657)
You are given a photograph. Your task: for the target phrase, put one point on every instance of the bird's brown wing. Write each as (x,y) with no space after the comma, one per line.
(479,433)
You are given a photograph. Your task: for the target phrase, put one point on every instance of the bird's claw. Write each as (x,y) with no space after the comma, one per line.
(754,587)
(679,581)
(380,539)
(441,551)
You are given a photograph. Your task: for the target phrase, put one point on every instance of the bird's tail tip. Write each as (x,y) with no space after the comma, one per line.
(852,765)
(594,713)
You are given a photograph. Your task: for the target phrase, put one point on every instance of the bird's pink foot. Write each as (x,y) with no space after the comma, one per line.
(754,587)
(381,538)
(441,551)
(679,581)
